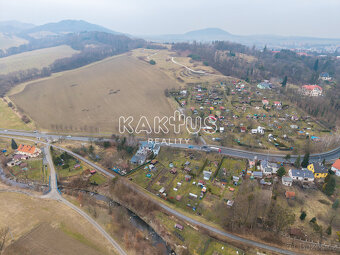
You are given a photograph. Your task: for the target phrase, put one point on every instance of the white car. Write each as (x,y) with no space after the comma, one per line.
(68,136)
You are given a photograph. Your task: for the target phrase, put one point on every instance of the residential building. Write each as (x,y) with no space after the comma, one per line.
(28,150)
(145,149)
(207,175)
(258,130)
(290,194)
(264,85)
(311,90)
(325,76)
(301,175)
(287,181)
(268,168)
(257,174)
(336,167)
(318,170)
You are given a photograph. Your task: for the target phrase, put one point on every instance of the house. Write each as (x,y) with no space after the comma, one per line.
(173,171)
(290,194)
(257,174)
(188,177)
(179,227)
(301,175)
(11,163)
(145,149)
(265,102)
(325,76)
(258,130)
(18,157)
(318,170)
(311,90)
(264,85)
(277,104)
(27,150)
(336,167)
(294,126)
(206,175)
(287,181)
(243,129)
(251,163)
(268,168)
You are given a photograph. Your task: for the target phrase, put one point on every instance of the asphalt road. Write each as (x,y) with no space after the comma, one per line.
(329,156)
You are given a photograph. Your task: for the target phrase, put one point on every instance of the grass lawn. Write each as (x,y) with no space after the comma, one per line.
(9,120)
(34,170)
(98,178)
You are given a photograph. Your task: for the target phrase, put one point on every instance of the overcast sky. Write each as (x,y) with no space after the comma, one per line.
(319,18)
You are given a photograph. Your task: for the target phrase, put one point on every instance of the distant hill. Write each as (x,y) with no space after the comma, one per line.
(273,41)
(13,26)
(69,26)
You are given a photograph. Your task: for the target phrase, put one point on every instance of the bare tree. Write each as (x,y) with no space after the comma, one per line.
(3,234)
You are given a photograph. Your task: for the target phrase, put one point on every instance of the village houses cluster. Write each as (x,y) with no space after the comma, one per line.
(23,152)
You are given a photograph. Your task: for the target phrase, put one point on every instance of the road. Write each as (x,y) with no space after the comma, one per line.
(54,194)
(168,209)
(329,156)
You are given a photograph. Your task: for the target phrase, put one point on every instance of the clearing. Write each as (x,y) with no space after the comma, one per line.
(34,59)
(92,98)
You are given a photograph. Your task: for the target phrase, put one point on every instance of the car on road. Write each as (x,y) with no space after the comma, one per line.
(69,136)
(190,147)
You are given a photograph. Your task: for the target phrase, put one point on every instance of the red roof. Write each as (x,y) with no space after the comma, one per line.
(311,87)
(26,149)
(290,194)
(336,164)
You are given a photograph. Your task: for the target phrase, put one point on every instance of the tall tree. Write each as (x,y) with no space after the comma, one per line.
(14,145)
(316,65)
(297,162)
(284,82)
(305,160)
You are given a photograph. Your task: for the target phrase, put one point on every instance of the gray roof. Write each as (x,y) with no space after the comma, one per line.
(286,179)
(302,173)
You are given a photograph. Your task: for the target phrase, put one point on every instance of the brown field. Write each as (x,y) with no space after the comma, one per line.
(97,95)
(34,59)
(10,41)
(47,227)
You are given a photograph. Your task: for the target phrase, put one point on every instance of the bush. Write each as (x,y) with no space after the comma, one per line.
(329,230)
(335,204)
(313,220)
(152,62)
(303,215)
(66,166)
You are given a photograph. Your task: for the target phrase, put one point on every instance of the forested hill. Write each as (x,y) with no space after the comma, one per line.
(253,65)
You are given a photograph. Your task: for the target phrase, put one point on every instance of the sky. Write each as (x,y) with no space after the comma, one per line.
(317,18)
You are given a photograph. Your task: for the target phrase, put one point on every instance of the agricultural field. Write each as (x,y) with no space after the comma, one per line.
(95,96)
(46,227)
(34,59)
(7,41)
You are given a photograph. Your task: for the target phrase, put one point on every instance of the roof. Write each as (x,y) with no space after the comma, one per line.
(324,74)
(319,168)
(286,179)
(26,149)
(290,194)
(336,164)
(311,87)
(302,173)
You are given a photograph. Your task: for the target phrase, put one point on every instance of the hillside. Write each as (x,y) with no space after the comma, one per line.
(95,96)
(34,59)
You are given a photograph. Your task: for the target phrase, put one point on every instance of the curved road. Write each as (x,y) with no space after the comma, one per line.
(331,155)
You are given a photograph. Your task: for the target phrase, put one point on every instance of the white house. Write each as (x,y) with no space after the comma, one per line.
(325,76)
(301,175)
(258,130)
(287,181)
(336,167)
(311,90)
(268,168)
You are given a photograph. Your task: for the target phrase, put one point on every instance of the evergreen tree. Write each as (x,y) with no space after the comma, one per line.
(329,230)
(316,65)
(303,215)
(284,82)
(14,145)
(329,187)
(297,162)
(281,172)
(305,160)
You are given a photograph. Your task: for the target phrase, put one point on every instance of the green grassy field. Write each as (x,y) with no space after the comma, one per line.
(34,59)
(10,120)
(34,170)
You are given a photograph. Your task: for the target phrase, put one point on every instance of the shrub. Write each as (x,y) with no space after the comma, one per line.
(152,62)
(303,215)
(313,220)
(329,230)
(335,204)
